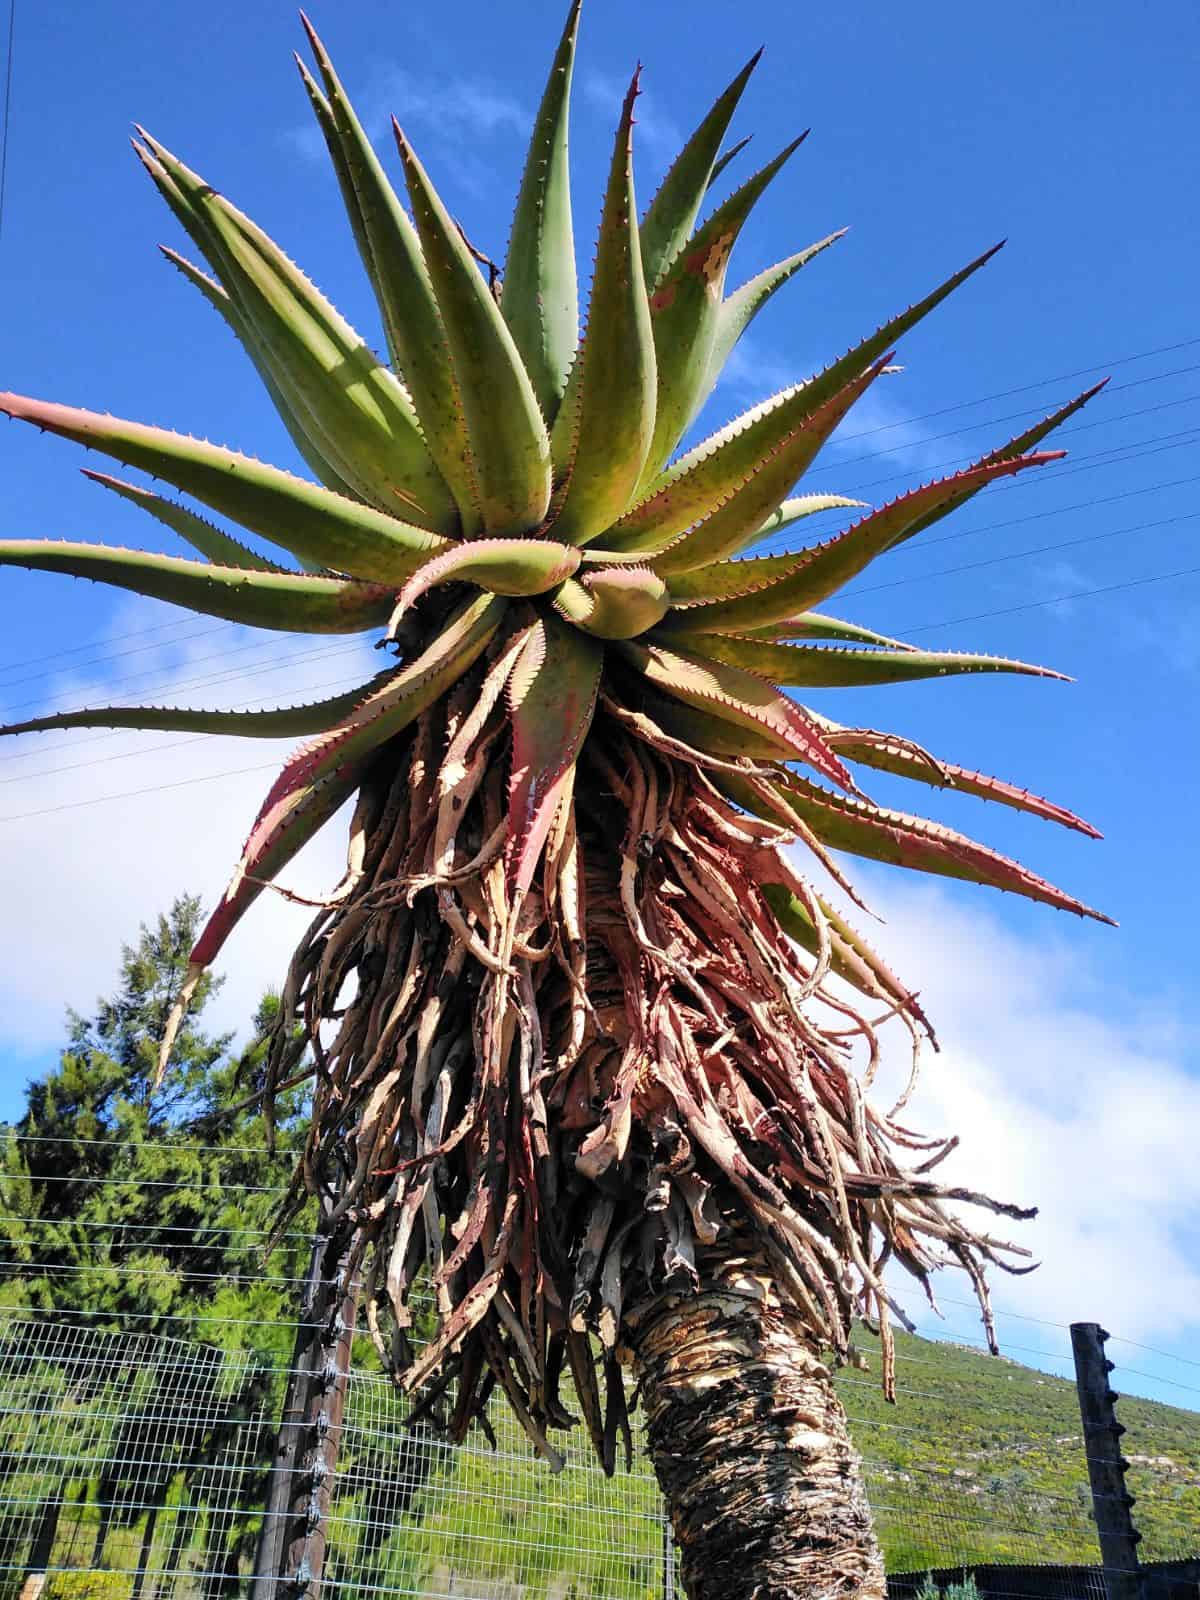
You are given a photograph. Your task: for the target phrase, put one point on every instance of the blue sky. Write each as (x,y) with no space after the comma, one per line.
(1069,129)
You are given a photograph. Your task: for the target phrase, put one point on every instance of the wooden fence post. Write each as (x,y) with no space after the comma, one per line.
(1111,1501)
(290,1558)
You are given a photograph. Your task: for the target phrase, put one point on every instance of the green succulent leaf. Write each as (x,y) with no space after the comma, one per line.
(314,783)
(311,522)
(284,722)
(197,531)
(739,309)
(509,444)
(806,666)
(777,586)
(364,419)
(391,253)
(724,488)
(292,602)
(552,696)
(735,522)
(852,958)
(723,160)
(540,297)
(613,602)
(819,625)
(708,736)
(604,427)
(673,211)
(740,698)
(301,433)
(1020,446)
(799,507)
(499,566)
(685,307)
(323,112)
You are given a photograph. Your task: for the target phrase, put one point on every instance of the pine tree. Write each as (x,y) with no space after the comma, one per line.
(139,1211)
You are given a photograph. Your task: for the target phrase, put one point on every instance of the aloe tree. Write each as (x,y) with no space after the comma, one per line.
(596,1079)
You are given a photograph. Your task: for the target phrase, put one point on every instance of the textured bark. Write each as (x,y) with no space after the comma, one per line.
(750,1443)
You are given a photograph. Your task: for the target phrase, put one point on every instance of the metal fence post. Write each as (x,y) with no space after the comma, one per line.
(290,1557)
(1106,1465)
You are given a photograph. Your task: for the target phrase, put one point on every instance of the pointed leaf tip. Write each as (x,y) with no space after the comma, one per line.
(539,295)
(606,423)
(504,423)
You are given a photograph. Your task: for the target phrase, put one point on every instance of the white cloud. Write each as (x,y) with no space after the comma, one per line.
(453,113)
(753,373)
(1068,1094)
(79,880)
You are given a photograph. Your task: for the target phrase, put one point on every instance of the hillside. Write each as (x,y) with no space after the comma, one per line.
(983,1457)
(980,1461)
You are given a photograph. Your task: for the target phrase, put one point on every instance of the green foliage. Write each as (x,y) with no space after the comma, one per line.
(134,1212)
(88,1586)
(966,1590)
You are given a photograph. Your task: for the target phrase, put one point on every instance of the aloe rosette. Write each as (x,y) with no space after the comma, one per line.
(582,1031)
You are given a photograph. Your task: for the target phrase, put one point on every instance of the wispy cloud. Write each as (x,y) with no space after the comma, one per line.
(453,113)
(752,372)
(1067,1094)
(85,876)
(1065,578)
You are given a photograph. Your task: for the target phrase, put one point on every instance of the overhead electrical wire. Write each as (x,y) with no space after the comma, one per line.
(271,766)
(209,630)
(1051,600)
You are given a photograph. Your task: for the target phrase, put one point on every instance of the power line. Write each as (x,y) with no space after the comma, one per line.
(1112,456)
(273,664)
(1009,416)
(944,572)
(116,655)
(1036,516)
(135,794)
(1131,452)
(1024,388)
(108,638)
(1053,600)
(1019,555)
(213,777)
(154,750)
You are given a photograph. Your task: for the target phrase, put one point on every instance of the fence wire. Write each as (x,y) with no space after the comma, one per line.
(135,1449)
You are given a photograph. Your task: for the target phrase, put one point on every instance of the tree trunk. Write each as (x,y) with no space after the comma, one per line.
(145,1555)
(749,1442)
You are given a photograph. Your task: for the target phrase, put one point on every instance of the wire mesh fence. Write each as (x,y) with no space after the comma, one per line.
(137,1434)
(134,1466)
